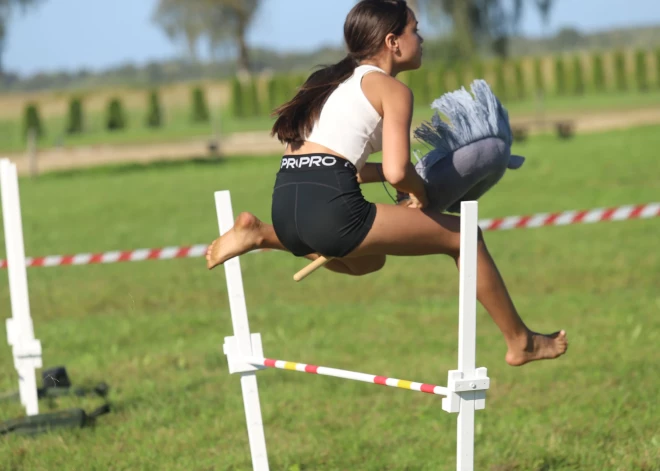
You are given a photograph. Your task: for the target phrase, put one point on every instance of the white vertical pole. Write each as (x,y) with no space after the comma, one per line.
(467,333)
(239,319)
(20,330)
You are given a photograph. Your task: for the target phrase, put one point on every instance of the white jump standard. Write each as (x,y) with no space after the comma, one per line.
(466,386)
(20,329)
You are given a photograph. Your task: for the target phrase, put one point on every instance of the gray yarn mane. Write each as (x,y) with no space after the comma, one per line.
(472,119)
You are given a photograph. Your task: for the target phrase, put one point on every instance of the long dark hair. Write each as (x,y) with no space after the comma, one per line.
(365,29)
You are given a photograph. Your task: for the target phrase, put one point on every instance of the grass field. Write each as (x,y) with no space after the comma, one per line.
(154,330)
(178,126)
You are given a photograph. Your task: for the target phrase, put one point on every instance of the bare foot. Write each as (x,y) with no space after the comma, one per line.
(537,347)
(243,237)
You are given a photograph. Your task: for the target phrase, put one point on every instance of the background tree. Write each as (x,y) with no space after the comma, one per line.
(7,8)
(220,22)
(544,7)
(181,20)
(481,24)
(414,6)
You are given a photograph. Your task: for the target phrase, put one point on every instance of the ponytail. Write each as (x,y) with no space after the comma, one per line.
(295,119)
(366,27)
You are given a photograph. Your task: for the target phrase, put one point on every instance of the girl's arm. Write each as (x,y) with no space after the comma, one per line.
(397,119)
(371,173)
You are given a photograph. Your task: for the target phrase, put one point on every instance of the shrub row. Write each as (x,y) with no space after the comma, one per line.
(511,80)
(115,118)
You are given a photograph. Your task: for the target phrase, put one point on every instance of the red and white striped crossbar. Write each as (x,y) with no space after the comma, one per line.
(344,374)
(621,213)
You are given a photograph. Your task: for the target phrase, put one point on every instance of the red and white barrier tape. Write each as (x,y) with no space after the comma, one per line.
(621,213)
(643,211)
(139,255)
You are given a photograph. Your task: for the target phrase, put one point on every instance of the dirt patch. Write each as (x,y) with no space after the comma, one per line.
(89,156)
(260,143)
(595,121)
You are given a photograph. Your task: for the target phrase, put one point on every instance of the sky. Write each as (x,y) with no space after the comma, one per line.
(97,34)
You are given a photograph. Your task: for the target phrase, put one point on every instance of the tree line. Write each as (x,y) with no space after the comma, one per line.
(224,24)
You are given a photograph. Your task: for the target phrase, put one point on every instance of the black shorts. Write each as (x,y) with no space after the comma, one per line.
(318,206)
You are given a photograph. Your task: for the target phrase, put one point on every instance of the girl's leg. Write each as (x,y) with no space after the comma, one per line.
(408,232)
(403,231)
(249,233)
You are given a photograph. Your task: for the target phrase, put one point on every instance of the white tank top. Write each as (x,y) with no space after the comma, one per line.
(349,124)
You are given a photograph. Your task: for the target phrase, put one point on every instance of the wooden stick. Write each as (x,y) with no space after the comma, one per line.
(311,268)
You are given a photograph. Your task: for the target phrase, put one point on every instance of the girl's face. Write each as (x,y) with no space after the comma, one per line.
(410,42)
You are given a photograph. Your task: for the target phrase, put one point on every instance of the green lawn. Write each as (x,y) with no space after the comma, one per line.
(154,330)
(179,127)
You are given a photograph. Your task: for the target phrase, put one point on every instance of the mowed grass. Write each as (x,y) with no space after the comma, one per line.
(154,330)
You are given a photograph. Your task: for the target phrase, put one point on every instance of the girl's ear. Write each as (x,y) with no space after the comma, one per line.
(392,42)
